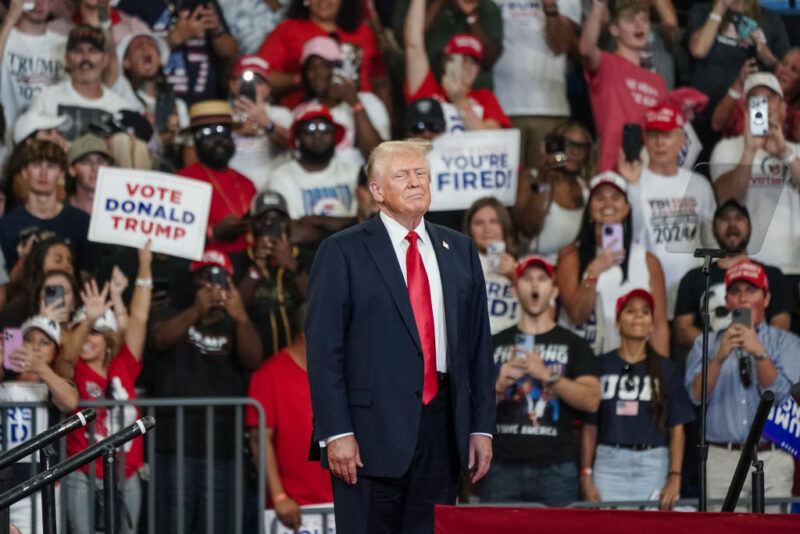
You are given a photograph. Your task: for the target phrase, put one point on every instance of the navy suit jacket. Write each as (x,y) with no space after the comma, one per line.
(365,365)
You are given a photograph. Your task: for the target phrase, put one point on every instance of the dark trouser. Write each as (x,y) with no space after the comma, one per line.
(378,505)
(194,495)
(552,485)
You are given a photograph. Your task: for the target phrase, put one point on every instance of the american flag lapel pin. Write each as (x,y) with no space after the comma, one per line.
(446,245)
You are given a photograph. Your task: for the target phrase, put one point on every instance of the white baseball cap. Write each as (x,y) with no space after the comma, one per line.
(611,178)
(762,79)
(46,325)
(31,122)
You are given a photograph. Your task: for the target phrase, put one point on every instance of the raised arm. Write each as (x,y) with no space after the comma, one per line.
(560,33)
(417,64)
(13,15)
(248,344)
(96,303)
(136,334)
(587,46)
(660,337)
(701,41)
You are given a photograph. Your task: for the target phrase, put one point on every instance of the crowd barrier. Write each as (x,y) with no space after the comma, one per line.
(19,421)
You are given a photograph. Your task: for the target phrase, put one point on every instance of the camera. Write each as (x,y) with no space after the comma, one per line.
(557,146)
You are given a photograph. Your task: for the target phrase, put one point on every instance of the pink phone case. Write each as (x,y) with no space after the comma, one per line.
(12,340)
(612,232)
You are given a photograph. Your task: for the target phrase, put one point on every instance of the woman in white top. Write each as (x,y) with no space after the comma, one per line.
(591,279)
(489,224)
(550,200)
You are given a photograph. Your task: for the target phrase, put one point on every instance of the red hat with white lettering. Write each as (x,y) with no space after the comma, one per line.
(213,257)
(532,261)
(466,44)
(749,272)
(664,118)
(252,63)
(313,111)
(640,293)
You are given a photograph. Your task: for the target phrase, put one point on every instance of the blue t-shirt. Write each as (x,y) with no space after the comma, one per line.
(625,416)
(71,225)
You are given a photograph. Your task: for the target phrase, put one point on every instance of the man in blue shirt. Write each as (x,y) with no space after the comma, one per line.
(744,362)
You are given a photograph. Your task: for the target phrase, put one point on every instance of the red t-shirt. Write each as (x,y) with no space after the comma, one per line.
(620,92)
(281,386)
(284,45)
(484,98)
(232,194)
(122,372)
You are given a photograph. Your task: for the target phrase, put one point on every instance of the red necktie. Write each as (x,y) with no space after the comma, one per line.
(419,291)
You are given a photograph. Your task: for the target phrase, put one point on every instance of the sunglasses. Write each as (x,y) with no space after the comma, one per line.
(312,127)
(208,131)
(574,144)
(433,127)
(627,377)
(745,375)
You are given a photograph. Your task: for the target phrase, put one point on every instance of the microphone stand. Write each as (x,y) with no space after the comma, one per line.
(706,254)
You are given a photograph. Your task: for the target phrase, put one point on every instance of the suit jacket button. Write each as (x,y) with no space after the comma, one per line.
(417,394)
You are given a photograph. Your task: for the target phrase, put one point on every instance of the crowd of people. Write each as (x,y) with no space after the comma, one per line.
(639,143)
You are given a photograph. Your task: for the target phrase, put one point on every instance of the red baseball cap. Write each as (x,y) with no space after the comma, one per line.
(532,261)
(313,111)
(749,272)
(466,44)
(213,257)
(663,117)
(252,63)
(636,293)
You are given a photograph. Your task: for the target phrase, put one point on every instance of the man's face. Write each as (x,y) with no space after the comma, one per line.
(664,147)
(214,145)
(86,63)
(43,177)
(85,170)
(41,10)
(631,29)
(404,185)
(316,139)
(142,58)
(743,294)
(535,289)
(732,230)
(319,75)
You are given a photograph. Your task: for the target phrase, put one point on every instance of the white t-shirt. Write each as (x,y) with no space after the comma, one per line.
(62,99)
(30,63)
(330,191)
(560,228)
(673,216)
(503,306)
(343,114)
(256,155)
(772,200)
(529,78)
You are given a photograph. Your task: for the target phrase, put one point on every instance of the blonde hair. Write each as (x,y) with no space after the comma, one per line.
(388,148)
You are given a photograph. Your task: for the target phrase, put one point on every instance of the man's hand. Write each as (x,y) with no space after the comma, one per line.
(206,298)
(480,456)
(344,458)
(233,304)
(510,372)
(230,228)
(188,26)
(774,141)
(210,19)
(730,340)
(289,513)
(252,112)
(280,250)
(15,10)
(534,366)
(344,90)
(630,170)
(750,341)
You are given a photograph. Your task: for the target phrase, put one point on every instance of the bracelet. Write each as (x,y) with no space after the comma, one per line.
(716,17)
(673,473)
(472,19)
(145,283)
(358,106)
(280,497)
(734,94)
(586,471)
(590,280)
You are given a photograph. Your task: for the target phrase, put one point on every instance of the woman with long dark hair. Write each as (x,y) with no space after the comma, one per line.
(598,269)
(636,438)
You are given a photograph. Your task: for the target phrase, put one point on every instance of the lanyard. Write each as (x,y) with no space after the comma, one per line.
(219,189)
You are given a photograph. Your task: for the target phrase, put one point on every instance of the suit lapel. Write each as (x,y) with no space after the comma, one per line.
(382,251)
(444,258)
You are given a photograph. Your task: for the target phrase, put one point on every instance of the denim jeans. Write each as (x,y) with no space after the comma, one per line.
(194,494)
(553,485)
(79,490)
(628,475)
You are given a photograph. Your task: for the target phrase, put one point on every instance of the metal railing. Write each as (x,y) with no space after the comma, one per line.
(149,406)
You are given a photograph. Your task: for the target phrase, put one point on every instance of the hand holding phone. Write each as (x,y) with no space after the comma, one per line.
(613,239)
(12,340)
(524,341)
(494,253)
(632,141)
(759,115)
(742,316)
(556,146)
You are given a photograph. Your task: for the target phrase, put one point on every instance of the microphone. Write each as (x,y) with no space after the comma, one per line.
(709,252)
(48,436)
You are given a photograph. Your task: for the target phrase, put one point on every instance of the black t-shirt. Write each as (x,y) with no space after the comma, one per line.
(204,364)
(692,289)
(625,416)
(533,426)
(71,224)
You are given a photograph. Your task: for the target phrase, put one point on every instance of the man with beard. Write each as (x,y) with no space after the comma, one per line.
(210,125)
(732,232)
(318,181)
(83,96)
(544,376)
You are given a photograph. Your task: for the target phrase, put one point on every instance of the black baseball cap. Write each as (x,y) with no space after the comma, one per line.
(424,112)
(83,33)
(731,203)
(266,201)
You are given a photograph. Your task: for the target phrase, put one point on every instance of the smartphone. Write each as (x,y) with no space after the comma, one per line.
(612,233)
(247,85)
(218,278)
(268,226)
(454,68)
(556,145)
(759,115)
(53,294)
(494,251)
(526,341)
(12,340)
(632,141)
(744,25)
(741,316)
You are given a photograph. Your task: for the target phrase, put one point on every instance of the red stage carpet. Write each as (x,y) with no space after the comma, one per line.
(493,520)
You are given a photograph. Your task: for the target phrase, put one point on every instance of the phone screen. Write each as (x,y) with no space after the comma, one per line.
(12,340)
(632,141)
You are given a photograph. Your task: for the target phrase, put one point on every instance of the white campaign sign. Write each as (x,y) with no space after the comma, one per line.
(133,206)
(312,523)
(19,421)
(691,148)
(466,166)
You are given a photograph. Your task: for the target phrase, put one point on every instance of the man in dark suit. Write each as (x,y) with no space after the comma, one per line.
(399,356)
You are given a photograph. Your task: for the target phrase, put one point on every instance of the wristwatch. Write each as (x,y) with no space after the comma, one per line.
(762,356)
(555,376)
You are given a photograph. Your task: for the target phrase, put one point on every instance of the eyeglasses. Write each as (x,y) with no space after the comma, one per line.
(745,371)
(322,127)
(574,144)
(215,129)
(431,126)
(627,376)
